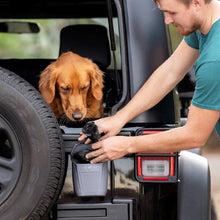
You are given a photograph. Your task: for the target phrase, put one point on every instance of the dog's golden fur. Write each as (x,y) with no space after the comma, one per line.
(72,85)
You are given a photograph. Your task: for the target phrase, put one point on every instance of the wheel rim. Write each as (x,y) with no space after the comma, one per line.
(10,159)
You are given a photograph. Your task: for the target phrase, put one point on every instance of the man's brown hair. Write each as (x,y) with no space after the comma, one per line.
(187,2)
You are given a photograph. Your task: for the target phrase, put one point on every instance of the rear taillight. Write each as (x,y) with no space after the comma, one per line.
(156,167)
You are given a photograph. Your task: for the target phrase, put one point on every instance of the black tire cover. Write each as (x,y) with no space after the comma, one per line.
(32,159)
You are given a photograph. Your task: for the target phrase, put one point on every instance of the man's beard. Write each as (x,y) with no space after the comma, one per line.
(186,32)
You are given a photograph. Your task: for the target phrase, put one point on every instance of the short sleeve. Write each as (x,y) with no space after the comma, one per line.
(192,40)
(207,91)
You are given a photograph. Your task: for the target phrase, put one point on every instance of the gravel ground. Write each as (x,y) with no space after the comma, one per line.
(212,152)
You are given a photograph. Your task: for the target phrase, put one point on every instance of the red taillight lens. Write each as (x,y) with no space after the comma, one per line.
(156,167)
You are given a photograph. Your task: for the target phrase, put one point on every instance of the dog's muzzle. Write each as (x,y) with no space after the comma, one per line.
(77,116)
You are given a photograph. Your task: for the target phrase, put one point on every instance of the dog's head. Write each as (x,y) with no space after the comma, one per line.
(75,80)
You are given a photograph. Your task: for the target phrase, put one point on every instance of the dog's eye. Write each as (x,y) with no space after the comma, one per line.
(84,88)
(65,89)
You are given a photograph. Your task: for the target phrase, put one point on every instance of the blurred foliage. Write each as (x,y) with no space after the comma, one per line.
(175,37)
(44,44)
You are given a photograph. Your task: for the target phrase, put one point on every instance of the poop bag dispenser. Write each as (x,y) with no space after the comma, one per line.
(88,179)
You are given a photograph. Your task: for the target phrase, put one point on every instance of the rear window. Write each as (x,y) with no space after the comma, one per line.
(45,43)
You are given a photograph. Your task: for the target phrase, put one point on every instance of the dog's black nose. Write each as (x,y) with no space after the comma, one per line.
(77,115)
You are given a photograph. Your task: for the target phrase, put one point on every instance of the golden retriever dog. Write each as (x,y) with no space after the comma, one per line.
(72,86)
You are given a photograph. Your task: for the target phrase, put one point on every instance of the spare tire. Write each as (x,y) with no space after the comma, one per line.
(32,159)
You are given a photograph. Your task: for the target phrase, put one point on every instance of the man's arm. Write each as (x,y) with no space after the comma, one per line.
(194,134)
(161,82)
(200,124)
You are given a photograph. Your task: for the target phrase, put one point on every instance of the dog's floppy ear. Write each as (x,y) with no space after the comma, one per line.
(47,83)
(96,82)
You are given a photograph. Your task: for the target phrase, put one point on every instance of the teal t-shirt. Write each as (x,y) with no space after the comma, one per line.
(207,69)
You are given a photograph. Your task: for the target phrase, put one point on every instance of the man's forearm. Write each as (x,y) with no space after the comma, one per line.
(155,89)
(164,142)
(161,82)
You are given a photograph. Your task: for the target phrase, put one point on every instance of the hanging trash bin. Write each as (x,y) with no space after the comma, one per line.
(88,179)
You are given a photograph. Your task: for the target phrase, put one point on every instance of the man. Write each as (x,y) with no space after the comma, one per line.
(199,22)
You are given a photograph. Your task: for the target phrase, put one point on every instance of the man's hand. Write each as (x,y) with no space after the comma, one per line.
(107,127)
(109,149)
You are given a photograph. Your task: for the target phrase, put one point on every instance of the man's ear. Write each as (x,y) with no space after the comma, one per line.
(197,4)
